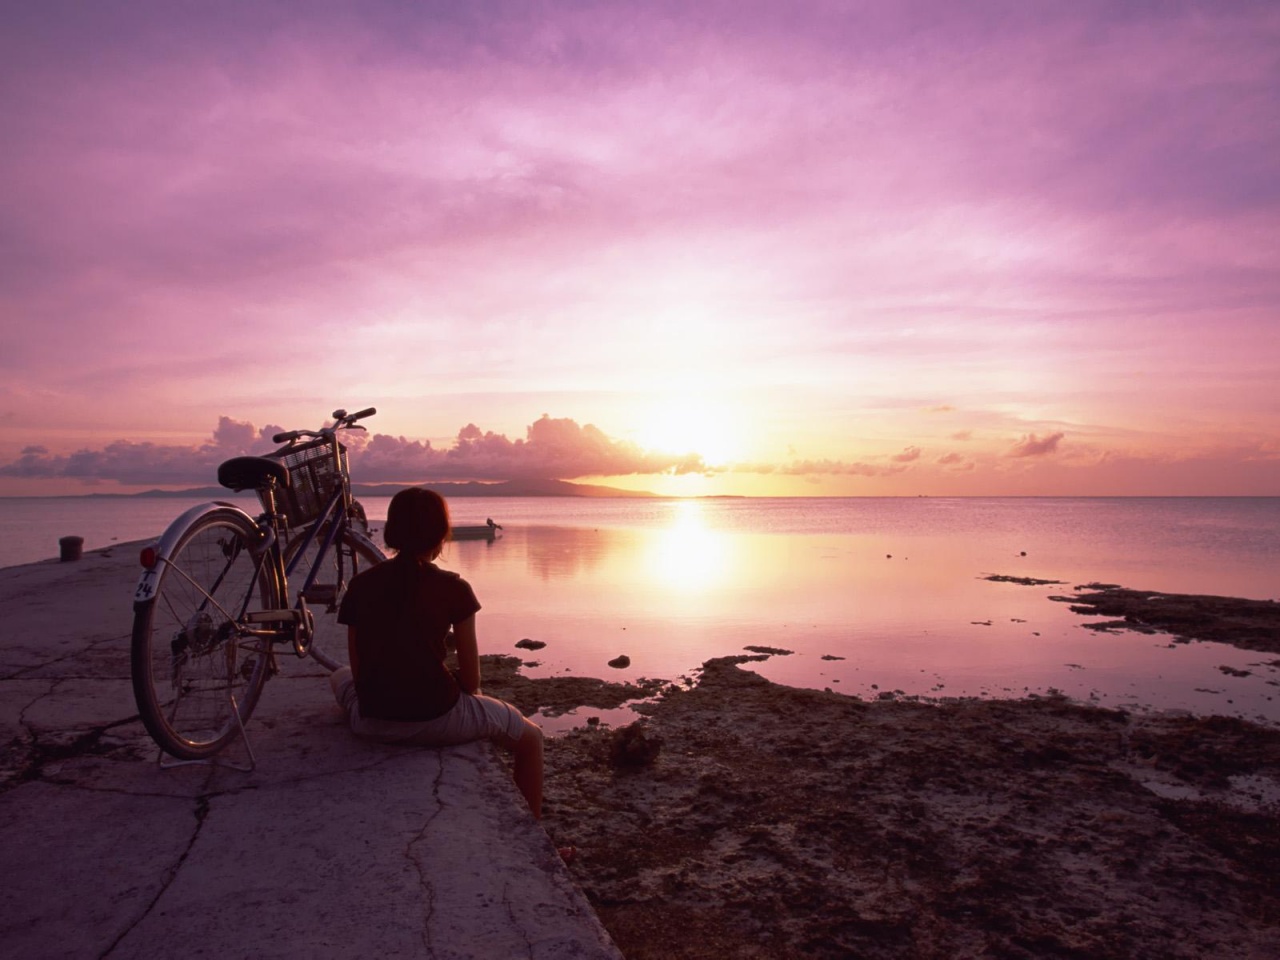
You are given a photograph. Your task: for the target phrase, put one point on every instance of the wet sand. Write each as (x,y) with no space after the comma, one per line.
(747,819)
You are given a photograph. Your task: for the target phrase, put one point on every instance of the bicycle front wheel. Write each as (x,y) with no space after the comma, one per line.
(350,555)
(196,677)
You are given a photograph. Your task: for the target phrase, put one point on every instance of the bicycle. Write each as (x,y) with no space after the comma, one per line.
(214,599)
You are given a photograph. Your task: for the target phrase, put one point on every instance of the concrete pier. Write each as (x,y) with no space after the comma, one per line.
(330,847)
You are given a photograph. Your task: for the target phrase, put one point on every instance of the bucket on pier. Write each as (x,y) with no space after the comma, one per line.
(70,548)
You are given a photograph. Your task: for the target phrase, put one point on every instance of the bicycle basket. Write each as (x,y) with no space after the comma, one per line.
(314,474)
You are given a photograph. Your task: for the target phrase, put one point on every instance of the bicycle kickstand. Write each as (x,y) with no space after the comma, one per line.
(165,762)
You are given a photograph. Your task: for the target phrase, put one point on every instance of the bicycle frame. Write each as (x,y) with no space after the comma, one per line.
(214,598)
(269,557)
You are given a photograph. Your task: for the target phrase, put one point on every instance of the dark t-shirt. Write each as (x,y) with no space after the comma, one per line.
(401,611)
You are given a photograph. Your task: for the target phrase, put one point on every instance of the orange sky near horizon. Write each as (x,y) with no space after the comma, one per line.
(755,249)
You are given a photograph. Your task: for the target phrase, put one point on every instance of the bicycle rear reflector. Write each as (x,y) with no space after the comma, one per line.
(148,557)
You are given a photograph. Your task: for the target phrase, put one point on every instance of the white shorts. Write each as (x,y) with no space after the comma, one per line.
(473,717)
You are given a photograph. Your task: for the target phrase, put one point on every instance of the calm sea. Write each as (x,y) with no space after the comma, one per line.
(872,595)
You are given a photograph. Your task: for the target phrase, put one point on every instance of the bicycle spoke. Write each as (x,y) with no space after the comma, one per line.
(197,672)
(191,580)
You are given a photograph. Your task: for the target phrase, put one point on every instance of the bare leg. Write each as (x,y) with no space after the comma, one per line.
(336,680)
(528,766)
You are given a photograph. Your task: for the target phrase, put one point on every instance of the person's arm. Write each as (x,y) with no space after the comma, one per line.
(351,651)
(464,634)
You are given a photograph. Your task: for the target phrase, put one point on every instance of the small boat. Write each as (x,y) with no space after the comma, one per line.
(490,531)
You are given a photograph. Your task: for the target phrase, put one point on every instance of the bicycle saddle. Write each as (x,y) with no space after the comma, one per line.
(252,473)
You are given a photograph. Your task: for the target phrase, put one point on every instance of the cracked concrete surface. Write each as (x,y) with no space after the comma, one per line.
(330,847)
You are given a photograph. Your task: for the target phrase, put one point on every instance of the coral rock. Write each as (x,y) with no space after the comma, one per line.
(634,745)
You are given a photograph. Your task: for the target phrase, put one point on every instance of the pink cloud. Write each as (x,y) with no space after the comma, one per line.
(1032,446)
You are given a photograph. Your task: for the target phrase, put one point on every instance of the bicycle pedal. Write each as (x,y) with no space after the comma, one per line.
(321,594)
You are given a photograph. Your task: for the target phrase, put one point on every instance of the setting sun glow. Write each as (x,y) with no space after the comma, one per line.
(686,425)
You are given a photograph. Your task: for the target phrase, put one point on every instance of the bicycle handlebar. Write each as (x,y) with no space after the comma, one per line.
(341,421)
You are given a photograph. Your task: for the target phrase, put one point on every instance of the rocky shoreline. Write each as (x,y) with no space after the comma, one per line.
(746,819)
(1248,624)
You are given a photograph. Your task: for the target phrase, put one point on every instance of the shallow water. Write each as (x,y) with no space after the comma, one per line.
(891,587)
(903,612)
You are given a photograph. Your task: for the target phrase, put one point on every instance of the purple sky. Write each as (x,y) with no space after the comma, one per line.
(766,248)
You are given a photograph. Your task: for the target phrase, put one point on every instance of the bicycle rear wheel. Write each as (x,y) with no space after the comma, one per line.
(353,554)
(193,671)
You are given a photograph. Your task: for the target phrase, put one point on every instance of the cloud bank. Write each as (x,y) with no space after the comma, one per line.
(563,449)
(552,449)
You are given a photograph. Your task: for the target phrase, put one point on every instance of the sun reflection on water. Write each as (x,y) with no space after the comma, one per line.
(687,556)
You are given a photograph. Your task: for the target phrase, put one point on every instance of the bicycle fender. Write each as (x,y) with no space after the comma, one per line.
(145,592)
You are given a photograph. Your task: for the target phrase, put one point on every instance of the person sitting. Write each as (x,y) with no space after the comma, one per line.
(398,688)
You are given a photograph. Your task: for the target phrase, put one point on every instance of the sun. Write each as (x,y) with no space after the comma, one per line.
(692,425)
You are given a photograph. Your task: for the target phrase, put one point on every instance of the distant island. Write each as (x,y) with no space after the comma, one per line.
(471,488)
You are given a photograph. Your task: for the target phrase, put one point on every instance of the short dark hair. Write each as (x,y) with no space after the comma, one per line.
(417,522)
